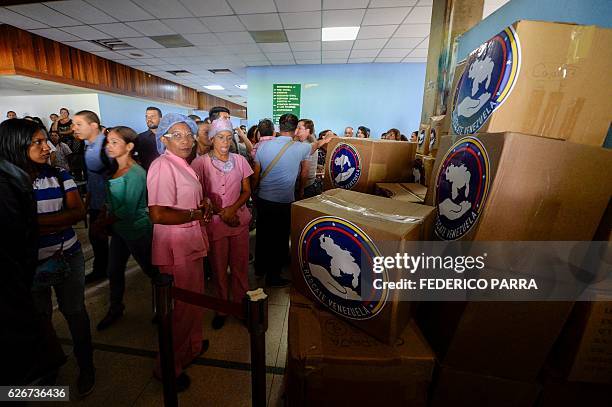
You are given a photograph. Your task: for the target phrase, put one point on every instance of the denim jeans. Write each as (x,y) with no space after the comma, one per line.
(99,244)
(120,250)
(71,301)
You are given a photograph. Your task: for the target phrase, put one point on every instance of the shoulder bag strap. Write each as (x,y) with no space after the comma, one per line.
(275,160)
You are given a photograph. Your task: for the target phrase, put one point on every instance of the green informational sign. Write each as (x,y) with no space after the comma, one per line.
(285,99)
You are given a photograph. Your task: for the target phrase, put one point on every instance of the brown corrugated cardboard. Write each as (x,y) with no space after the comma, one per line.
(583,352)
(330,363)
(358,164)
(510,186)
(540,78)
(439,128)
(423,169)
(503,339)
(400,192)
(455,388)
(564,394)
(423,139)
(335,236)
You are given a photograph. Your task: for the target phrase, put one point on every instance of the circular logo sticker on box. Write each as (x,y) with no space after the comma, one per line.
(336,258)
(489,76)
(462,186)
(345,166)
(432,139)
(421,137)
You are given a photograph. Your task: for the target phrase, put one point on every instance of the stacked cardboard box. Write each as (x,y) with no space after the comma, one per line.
(405,192)
(583,352)
(335,237)
(423,169)
(331,363)
(358,164)
(501,187)
(539,78)
(457,388)
(423,139)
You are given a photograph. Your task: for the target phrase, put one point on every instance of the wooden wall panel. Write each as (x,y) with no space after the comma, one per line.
(24,53)
(206,102)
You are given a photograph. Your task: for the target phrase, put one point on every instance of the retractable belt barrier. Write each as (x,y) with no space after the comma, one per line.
(253,311)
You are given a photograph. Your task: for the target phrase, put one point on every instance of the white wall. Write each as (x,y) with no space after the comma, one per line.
(43,105)
(116,110)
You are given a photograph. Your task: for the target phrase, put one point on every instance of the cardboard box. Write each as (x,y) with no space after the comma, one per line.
(463,389)
(439,128)
(564,394)
(358,164)
(423,169)
(584,350)
(423,139)
(511,340)
(540,78)
(334,238)
(330,363)
(510,186)
(404,192)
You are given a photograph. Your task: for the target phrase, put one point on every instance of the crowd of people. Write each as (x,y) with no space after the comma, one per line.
(181,198)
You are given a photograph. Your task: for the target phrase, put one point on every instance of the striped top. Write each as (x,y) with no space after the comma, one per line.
(49,200)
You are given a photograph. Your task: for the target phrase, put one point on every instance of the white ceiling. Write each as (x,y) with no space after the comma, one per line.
(16,85)
(391,31)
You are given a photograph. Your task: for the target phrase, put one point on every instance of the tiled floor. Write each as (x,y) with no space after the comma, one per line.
(125,353)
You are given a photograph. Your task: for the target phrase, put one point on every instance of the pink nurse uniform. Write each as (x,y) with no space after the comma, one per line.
(228,245)
(179,249)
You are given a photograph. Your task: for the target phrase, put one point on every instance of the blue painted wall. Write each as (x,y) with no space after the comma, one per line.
(379,96)
(124,111)
(587,12)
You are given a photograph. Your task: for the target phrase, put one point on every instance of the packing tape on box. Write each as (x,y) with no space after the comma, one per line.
(367,212)
(582,41)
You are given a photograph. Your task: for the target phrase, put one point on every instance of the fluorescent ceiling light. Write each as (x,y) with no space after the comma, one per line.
(242,86)
(339,33)
(214,87)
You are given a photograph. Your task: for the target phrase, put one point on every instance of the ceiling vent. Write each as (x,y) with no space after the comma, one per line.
(220,71)
(172,41)
(180,73)
(113,44)
(269,36)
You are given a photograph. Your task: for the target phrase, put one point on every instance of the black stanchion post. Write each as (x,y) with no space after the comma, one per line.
(257,323)
(163,309)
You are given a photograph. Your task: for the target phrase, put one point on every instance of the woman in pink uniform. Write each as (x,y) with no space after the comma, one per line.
(225,180)
(177,207)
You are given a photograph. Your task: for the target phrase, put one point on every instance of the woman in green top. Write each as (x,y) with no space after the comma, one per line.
(127,216)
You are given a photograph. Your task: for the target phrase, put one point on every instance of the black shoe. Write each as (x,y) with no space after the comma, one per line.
(277,282)
(86,382)
(182,382)
(218,321)
(110,318)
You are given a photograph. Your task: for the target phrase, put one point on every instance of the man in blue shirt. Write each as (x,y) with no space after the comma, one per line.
(279,164)
(86,125)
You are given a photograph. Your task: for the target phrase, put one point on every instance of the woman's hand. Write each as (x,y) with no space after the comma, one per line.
(206,207)
(229,217)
